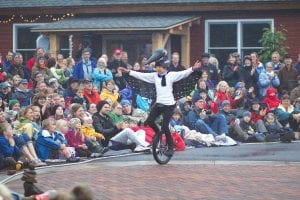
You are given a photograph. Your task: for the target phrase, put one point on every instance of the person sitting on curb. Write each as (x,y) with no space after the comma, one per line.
(47,143)
(117,136)
(134,116)
(246,131)
(202,120)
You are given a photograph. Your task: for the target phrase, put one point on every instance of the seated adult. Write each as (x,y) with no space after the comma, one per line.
(110,91)
(287,114)
(22,93)
(117,136)
(90,95)
(203,121)
(133,116)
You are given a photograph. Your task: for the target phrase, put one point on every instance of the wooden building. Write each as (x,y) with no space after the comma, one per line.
(190,27)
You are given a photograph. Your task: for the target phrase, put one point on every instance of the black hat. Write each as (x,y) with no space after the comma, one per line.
(287,56)
(205,55)
(72,80)
(100,105)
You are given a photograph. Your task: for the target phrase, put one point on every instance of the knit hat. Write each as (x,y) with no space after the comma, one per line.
(74,121)
(238,85)
(125,102)
(247,113)
(100,105)
(196,98)
(12,102)
(225,103)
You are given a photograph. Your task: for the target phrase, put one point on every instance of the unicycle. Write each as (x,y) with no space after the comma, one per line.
(159,147)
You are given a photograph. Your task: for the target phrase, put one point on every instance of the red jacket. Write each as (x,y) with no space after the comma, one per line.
(91,98)
(255,116)
(30,64)
(272,101)
(222,97)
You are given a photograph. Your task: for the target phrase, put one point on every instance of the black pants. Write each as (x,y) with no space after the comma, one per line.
(167,112)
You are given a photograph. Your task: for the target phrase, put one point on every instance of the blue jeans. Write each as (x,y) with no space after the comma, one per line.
(215,125)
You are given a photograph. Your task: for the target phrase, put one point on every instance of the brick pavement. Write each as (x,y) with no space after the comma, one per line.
(175,181)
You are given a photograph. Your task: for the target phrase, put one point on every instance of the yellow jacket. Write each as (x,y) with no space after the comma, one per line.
(105,93)
(90,132)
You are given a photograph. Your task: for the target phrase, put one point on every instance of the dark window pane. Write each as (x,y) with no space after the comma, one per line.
(134,47)
(222,55)
(223,35)
(26,39)
(64,42)
(252,34)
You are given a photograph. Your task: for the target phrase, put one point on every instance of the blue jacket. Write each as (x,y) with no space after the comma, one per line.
(99,78)
(78,70)
(264,82)
(6,150)
(45,144)
(191,119)
(24,97)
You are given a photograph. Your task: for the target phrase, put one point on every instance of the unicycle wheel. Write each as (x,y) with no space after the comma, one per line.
(159,147)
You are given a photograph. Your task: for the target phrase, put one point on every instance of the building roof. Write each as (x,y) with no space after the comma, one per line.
(115,23)
(59,3)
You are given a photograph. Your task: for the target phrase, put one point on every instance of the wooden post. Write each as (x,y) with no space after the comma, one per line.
(54,44)
(185,47)
(157,41)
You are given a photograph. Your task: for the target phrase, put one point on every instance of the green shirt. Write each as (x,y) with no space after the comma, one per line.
(115,117)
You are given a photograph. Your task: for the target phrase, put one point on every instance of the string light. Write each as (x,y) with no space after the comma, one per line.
(32,19)
(5,21)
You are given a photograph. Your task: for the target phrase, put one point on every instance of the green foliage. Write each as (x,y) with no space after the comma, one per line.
(272,41)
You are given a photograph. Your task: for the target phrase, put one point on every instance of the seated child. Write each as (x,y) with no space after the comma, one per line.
(46,144)
(92,138)
(9,151)
(246,131)
(76,138)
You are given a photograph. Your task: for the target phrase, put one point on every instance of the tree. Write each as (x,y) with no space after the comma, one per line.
(272,41)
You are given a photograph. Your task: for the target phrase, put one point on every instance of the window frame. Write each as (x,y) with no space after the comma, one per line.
(15,35)
(239,23)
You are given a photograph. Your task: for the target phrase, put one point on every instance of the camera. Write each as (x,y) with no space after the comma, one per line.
(208,112)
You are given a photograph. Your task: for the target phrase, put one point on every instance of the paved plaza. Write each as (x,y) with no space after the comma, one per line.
(187,176)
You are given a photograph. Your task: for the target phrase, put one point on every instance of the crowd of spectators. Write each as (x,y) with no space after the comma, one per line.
(55,108)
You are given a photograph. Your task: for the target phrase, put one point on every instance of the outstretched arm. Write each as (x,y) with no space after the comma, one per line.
(177,76)
(147,77)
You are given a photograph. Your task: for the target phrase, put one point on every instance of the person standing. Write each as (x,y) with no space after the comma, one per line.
(83,70)
(175,65)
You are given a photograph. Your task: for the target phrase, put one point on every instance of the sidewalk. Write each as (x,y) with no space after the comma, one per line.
(147,180)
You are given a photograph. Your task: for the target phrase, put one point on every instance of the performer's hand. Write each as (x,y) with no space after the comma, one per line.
(124,70)
(197,65)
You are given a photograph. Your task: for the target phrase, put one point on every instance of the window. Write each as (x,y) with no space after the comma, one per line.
(135,45)
(24,41)
(223,37)
(65,45)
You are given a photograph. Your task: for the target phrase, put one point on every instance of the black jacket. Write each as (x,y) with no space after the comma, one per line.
(105,126)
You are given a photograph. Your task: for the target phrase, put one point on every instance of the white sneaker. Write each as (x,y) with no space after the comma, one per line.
(221,137)
(140,148)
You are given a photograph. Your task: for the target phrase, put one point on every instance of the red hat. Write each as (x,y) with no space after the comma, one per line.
(117,52)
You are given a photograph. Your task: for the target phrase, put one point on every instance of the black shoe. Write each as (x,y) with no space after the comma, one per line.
(169,152)
(104,150)
(72,160)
